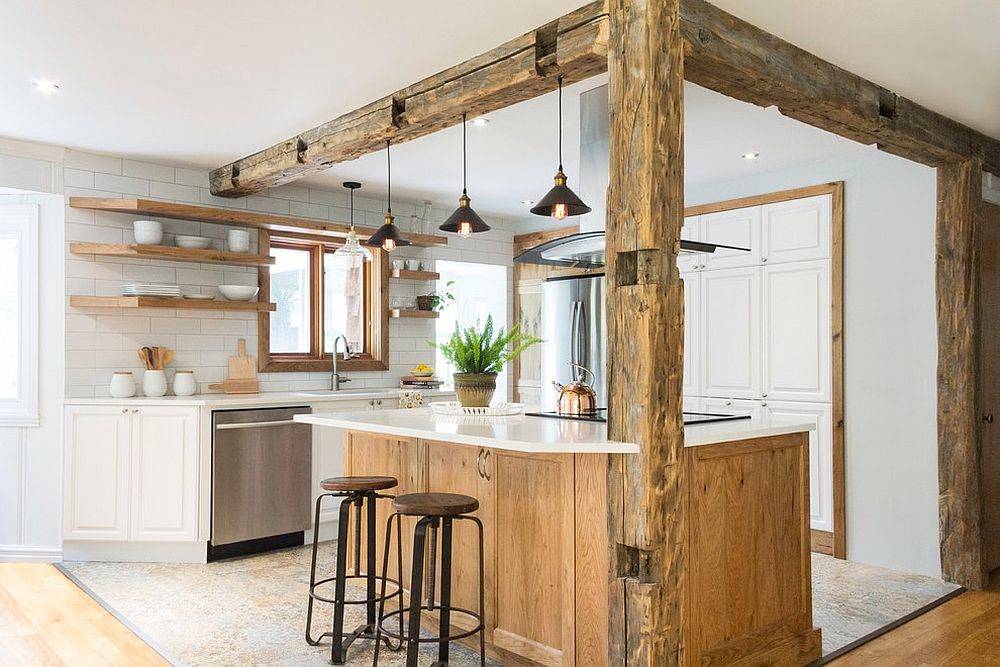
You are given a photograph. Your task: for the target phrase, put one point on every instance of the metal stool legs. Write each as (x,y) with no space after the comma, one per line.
(339,640)
(411,637)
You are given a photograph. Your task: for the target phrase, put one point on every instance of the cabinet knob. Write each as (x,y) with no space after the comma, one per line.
(729,402)
(379,402)
(763,404)
(135,411)
(763,260)
(763,395)
(124,411)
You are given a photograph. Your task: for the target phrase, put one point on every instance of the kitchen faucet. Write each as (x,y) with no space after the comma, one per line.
(335,378)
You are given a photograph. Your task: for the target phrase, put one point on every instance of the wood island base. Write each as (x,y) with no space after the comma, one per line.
(547,557)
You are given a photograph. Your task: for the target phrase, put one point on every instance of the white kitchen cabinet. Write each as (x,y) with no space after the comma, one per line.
(164,462)
(796,354)
(732,406)
(96,470)
(796,230)
(738,227)
(730,333)
(820,455)
(328,454)
(131,473)
(692,333)
(690,231)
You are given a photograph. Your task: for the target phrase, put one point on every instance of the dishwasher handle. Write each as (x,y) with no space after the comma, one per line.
(241,425)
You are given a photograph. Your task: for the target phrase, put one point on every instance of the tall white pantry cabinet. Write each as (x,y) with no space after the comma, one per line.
(757,330)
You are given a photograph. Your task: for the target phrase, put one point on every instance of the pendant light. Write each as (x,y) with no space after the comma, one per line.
(387,236)
(464,220)
(352,251)
(560,201)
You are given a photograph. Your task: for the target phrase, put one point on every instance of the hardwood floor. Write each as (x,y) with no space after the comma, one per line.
(963,631)
(45,619)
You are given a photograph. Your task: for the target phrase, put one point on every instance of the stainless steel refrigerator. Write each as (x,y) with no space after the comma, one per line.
(573,328)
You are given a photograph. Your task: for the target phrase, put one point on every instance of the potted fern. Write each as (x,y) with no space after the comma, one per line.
(478,355)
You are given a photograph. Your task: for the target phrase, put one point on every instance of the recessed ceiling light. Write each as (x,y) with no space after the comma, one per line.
(480,122)
(750,156)
(528,202)
(46,86)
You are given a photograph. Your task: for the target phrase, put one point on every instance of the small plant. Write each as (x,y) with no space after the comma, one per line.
(436,300)
(479,351)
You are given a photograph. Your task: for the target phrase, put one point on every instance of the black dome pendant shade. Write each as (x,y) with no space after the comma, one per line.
(560,201)
(464,221)
(387,236)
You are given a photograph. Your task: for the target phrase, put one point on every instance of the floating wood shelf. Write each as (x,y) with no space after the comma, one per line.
(405,274)
(166,302)
(426,314)
(238,218)
(173,253)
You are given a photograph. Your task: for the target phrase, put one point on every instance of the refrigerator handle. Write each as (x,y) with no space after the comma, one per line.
(583,355)
(574,332)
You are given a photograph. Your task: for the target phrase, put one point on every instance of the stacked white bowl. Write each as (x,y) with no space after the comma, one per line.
(148,232)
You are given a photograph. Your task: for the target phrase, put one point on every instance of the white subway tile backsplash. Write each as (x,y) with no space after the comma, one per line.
(93,162)
(256,203)
(124,184)
(185,193)
(148,171)
(195,177)
(92,233)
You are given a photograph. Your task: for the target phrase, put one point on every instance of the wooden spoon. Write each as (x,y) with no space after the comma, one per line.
(168,356)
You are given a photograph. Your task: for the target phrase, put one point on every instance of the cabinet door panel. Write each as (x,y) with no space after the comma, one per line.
(535,582)
(462,469)
(796,230)
(96,465)
(692,333)
(820,455)
(328,455)
(738,227)
(796,331)
(690,231)
(730,332)
(164,493)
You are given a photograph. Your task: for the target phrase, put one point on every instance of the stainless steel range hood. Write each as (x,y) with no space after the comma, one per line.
(586,251)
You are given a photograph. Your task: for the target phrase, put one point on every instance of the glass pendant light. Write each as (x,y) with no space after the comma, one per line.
(560,201)
(387,236)
(464,220)
(352,251)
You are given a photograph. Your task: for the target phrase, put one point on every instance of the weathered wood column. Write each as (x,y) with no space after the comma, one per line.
(959,194)
(646,332)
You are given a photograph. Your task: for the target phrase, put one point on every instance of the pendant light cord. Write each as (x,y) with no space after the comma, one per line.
(560,122)
(464,168)
(388,171)
(352,209)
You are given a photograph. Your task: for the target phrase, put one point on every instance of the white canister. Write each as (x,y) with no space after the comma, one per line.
(413,264)
(184,384)
(238,240)
(148,232)
(122,385)
(154,383)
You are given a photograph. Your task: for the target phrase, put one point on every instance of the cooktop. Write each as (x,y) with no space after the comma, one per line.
(689,417)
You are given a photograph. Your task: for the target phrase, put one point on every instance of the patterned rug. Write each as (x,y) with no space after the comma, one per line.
(252,610)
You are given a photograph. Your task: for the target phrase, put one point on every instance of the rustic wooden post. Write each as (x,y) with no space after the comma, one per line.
(959,193)
(646,332)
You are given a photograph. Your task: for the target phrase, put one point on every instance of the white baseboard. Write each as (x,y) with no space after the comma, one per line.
(136,552)
(11,554)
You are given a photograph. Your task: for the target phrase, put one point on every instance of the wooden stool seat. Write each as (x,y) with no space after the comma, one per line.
(358,483)
(434,504)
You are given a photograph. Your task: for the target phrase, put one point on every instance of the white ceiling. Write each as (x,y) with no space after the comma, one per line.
(197,83)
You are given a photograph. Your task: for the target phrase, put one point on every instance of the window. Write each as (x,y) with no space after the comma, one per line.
(19,315)
(319,297)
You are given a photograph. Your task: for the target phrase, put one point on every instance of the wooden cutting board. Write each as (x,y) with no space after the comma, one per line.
(242,373)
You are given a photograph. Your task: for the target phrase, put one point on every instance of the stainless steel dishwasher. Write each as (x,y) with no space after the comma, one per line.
(261,480)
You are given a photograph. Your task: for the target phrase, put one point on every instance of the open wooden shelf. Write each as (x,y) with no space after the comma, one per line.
(79,301)
(238,218)
(406,274)
(425,314)
(173,253)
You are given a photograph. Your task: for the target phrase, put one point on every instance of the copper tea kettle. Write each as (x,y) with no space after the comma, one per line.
(577,397)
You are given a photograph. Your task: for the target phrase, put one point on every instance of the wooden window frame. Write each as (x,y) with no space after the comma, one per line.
(376,355)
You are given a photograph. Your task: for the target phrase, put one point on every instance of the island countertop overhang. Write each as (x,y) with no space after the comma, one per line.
(536,434)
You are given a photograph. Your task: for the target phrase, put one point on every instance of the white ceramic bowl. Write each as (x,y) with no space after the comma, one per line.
(148,232)
(201,242)
(238,292)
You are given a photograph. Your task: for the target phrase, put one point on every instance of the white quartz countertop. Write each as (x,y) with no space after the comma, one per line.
(263,399)
(536,434)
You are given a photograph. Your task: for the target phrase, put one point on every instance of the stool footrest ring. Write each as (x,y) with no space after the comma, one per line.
(430,640)
(378,598)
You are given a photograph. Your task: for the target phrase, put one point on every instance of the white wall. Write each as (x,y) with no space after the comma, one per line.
(890,348)
(31,458)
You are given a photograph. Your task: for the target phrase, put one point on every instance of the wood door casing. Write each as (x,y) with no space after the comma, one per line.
(989,380)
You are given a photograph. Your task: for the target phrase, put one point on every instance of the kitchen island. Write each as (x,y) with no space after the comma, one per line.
(543,492)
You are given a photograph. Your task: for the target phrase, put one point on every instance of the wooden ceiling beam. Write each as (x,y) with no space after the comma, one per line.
(721,52)
(574,46)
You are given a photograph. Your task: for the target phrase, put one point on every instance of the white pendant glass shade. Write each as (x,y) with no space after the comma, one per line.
(352,250)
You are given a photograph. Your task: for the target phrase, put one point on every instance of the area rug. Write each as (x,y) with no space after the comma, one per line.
(252,610)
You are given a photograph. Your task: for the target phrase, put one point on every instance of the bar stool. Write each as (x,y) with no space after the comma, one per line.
(436,510)
(356,492)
